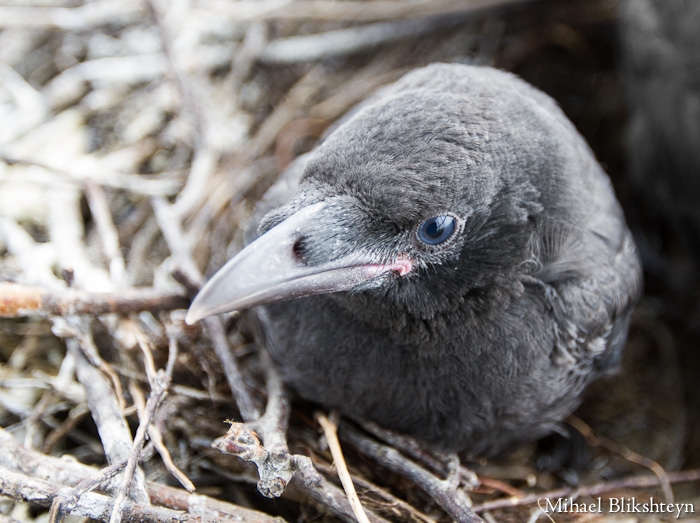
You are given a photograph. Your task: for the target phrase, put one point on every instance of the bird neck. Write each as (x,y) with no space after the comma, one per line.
(427,328)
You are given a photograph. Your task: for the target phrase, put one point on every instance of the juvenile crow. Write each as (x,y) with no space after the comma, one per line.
(460,266)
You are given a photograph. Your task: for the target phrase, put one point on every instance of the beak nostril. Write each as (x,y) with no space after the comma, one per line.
(297,249)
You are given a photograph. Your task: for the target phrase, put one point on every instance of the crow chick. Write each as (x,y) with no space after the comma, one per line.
(461,267)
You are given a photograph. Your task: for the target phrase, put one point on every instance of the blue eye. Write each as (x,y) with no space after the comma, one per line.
(436,230)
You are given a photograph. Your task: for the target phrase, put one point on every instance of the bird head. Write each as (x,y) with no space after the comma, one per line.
(422,198)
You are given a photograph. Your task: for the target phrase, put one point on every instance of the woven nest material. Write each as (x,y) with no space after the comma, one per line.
(136,138)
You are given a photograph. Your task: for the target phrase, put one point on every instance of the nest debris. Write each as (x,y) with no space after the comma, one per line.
(137,137)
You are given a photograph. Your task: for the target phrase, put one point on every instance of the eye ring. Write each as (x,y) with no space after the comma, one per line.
(437,230)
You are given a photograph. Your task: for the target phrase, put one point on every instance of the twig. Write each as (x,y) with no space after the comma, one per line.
(349,10)
(206,155)
(276,467)
(68,18)
(453,501)
(159,388)
(111,425)
(272,426)
(72,473)
(169,223)
(330,430)
(35,259)
(154,432)
(171,227)
(62,503)
(245,400)
(53,175)
(343,42)
(101,213)
(90,505)
(76,328)
(17,300)
(646,481)
(449,465)
(599,441)
(398,507)
(324,493)
(66,229)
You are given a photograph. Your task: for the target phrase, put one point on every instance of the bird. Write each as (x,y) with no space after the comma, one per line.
(450,262)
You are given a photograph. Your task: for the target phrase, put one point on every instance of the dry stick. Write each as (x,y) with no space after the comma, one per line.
(171,228)
(77,328)
(90,505)
(111,425)
(159,388)
(154,432)
(159,381)
(99,208)
(596,489)
(272,426)
(17,300)
(205,155)
(349,10)
(599,441)
(169,224)
(325,493)
(245,400)
(399,507)
(276,467)
(448,464)
(330,430)
(53,175)
(450,499)
(63,504)
(342,42)
(68,18)
(75,416)
(71,473)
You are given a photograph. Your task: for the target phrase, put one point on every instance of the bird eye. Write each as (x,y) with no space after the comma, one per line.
(436,230)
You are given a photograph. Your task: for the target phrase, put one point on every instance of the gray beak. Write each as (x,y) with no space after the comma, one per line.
(268,270)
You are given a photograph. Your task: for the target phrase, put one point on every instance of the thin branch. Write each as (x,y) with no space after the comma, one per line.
(17,300)
(69,18)
(453,501)
(52,175)
(447,464)
(111,425)
(596,489)
(276,466)
(159,385)
(599,441)
(169,223)
(351,11)
(71,473)
(355,39)
(330,430)
(399,508)
(101,213)
(91,505)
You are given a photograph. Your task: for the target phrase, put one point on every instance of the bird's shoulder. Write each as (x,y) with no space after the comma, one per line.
(589,279)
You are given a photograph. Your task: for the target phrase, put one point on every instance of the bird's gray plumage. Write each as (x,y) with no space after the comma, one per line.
(491,336)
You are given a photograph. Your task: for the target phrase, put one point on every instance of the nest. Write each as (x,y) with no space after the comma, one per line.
(136,139)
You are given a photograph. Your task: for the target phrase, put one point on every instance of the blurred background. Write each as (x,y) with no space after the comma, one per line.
(136,137)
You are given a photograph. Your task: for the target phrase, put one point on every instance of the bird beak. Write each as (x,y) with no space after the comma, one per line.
(268,270)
